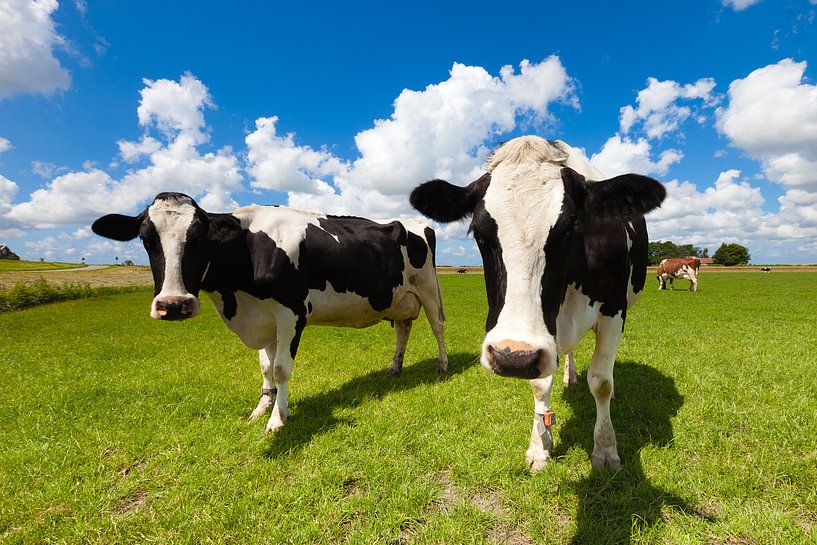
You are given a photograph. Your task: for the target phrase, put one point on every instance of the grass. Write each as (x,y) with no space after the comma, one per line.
(115,428)
(21,265)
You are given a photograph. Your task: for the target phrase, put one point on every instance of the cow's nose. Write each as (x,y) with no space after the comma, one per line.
(518,362)
(175,308)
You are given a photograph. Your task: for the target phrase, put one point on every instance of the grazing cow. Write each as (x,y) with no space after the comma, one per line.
(562,255)
(678,267)
(270,271)
(765,269)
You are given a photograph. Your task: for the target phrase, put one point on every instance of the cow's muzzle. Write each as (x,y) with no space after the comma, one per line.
(175,308)
(517,361)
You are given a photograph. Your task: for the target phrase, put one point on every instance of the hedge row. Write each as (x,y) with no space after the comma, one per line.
(29,294)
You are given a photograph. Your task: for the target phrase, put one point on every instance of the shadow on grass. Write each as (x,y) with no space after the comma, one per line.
(313,415)
(611,506)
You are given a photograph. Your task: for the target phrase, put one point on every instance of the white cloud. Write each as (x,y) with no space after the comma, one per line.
(27,42)
(740,5)
(133,151)
(732,210)
(772,116)
(8,228)
(440,131)
(5,144)
(621,155)
(47,170)
(658,107)
(175,109)
(276,162)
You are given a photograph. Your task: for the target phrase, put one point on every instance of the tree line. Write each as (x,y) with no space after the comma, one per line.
(727,254)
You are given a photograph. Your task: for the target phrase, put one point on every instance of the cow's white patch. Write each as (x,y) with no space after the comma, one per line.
(172,220)
(525,199)
(285,226)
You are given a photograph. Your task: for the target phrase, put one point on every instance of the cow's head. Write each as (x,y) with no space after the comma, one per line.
(525,213)
(173,230)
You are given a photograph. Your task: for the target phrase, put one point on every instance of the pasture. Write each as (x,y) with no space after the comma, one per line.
(115,428)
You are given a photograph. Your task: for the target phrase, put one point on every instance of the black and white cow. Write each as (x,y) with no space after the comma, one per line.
(562,255)
(270,271)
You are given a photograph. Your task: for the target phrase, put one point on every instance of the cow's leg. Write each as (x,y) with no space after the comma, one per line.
(600,381)
(402,329)
(266,358)
(290,327)
(672,283)
(541,438)
(662,282)
(693,278)
(570,370)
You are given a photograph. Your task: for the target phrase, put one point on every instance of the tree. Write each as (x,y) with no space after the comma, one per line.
(731,254)
(661,250)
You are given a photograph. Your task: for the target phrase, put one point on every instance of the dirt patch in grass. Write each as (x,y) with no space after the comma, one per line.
(487,501)
(132,504)
(112,276)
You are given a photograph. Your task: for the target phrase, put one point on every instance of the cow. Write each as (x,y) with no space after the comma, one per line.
(766,269)
(564,251)
(678,267)
(270,271)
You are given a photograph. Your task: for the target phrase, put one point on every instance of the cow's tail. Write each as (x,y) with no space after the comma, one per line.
(440,297)
(431,239)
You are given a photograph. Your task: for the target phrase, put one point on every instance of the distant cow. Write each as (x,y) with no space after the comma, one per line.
(678,267)
(765,269)
(270,271)
(462,271)
(562,255)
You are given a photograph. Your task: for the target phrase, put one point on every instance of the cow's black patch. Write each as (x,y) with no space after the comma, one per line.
(431,238)
(558,255)
(355,255)
(252,263)
(417,250)
(638,253)
(153,246)
(485,232)
(300,324)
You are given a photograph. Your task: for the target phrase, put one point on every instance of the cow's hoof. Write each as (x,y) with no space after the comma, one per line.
(256,414)
(536,461)
(394,371)
(442,368)
(260,410)
(606,460)
(274,425)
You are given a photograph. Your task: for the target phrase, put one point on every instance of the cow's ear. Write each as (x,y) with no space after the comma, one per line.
(624,197)
(117,226)
(446,202)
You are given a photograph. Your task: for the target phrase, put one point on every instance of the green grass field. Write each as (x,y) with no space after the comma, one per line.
(115,428)
(20,265)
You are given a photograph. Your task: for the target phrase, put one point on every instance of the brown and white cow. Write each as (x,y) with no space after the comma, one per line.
(565,251)
(678,267)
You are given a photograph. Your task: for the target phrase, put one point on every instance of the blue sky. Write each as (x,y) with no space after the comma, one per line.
(344,108)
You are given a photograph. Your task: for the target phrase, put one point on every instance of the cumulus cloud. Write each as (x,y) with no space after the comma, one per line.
(5,144)
(622,155)
(658,108)
(174,163)
(440,131)
(27,42)
(733,210)
(277,163)
(8,228)
(772,116)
